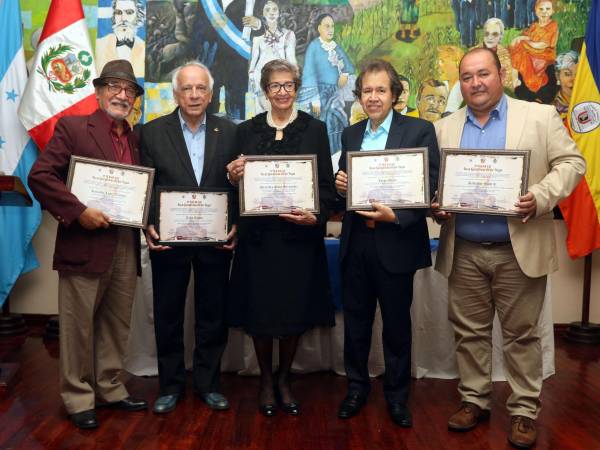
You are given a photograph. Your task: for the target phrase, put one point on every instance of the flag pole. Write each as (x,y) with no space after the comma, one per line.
(585,332)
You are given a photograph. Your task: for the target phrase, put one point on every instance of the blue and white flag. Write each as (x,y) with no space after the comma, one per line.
(17,153)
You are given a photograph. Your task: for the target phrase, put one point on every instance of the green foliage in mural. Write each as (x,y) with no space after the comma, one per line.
(572,23)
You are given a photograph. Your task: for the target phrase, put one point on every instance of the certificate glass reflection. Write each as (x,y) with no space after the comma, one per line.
(274,185)
(121,191)
(192,216)
(482,181)
(398,178)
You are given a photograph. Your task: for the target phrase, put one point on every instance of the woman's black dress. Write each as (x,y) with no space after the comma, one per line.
(279,280)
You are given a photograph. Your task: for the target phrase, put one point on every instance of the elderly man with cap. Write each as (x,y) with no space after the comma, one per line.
(97,262)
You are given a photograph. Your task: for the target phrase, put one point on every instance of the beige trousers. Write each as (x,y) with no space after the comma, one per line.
(94,315)
(484,280)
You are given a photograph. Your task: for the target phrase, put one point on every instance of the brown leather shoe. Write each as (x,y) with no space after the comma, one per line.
(522,432)
(467,417)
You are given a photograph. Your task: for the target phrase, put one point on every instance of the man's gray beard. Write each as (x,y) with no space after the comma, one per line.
(124,32)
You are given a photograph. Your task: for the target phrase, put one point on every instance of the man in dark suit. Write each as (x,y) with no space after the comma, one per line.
(224,49)
(189,148)
(96,261)
(380,250)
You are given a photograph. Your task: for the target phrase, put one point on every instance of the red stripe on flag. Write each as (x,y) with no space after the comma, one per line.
(61,14)
(42,133)
(581,217)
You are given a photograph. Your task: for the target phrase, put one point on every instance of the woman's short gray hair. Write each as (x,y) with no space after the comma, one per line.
(279,65)
(566,60)
(211,80)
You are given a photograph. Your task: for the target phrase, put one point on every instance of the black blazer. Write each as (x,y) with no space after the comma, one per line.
(402,247)
(163,147)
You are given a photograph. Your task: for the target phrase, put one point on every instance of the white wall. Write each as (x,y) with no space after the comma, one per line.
(36,292)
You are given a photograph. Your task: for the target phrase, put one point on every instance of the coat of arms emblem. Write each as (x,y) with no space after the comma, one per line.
(66,68)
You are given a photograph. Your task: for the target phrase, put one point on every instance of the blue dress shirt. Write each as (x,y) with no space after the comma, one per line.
(376,140)
(195,145)
(492,135)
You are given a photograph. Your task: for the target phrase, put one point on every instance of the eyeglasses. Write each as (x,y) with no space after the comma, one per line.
(288,86)
(116,88)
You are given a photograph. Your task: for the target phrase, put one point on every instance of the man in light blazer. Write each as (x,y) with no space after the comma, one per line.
(380,250)
(500,264)
(189,148)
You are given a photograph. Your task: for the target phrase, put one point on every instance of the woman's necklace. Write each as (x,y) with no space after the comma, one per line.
(272,123)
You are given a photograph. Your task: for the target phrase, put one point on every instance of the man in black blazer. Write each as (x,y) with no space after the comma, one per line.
(380,250)
(189,148)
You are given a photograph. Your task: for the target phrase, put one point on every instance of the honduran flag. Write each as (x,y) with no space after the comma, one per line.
(17,153)
(581,209)
(60,82)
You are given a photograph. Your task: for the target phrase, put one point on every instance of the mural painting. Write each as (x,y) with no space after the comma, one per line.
(538,44)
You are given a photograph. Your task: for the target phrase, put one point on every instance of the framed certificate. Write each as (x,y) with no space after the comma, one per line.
(397,178)
(274,185)
(121,191)
(482,181)
(192,216)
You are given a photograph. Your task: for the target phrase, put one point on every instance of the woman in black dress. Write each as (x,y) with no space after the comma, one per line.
(279,281)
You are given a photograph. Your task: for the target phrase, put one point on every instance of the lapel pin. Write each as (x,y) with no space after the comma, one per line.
(216,129)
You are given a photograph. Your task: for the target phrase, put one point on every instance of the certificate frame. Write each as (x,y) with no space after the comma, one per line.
(521,177)
(424,202)
(163,191)
(276,210)
(143,188)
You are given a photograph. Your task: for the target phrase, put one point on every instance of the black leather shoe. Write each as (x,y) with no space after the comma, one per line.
(214,400)
(128,404)
(292,408)
(400,414)
(85,419)
(267,409)
(351,405)
(165,403)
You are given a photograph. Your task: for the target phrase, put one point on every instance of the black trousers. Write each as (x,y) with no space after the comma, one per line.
(365,281)
(170,281)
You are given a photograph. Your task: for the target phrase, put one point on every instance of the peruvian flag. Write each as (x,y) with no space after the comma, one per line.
(60,82)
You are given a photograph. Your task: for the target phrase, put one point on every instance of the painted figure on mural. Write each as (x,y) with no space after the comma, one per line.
(431,100)
(483,12)
(325,87)
(493,31)
(173,42)
(524,13)
(274,43)
(408,14)
(402,105)
(448,59)
(124,43)
(455,4)
(533,54)
(468,21)
(507,8)
(228,27)
(566,69)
